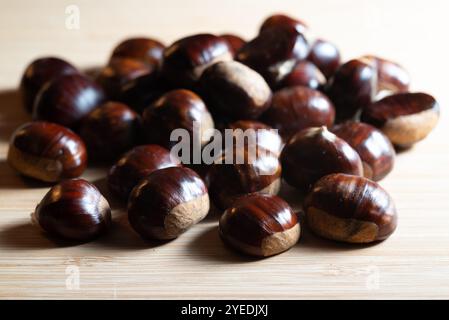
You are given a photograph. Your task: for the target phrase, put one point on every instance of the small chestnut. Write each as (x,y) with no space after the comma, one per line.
(315,152)
(73,210)
(38,73)
(234,90)
(47,152)
(167,203)
(306,74)
(405,118)
(149,51)
(350,209)
(374,148)
(234,42)
(326,56)
(110,130)
(67,100)
(260,225)
(135,165)
(283,20)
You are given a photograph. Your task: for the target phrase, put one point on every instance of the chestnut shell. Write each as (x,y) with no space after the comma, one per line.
(147,50)
(326,56)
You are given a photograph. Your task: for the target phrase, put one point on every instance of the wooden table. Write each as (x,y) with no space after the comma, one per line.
(413,263)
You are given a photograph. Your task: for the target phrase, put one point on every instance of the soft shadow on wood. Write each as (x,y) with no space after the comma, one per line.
(11,180)
(12,113)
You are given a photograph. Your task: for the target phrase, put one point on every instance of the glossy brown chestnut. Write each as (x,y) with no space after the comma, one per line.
(38,73)
(374,148)
(350,209)
(315,152)
(405,118)
(47,152)
(186,59)
(167,203)
(73,210)
(296,108)
(234,90)
(326,56)
(234,42)
(306,74)
(110,130)
(282,20)
(260,225)
(149,51)
(67,100)
(135,165)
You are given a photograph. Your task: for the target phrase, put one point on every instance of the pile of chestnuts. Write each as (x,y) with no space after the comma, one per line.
(337,128)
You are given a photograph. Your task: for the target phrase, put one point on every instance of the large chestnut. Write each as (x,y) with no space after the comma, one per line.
(110,130)
(167,203)
(405,118)
(234,90)
(47,152)
(234,42)
(282,20)
(296,108)
(67,100)
(73,210)
(135,165)
(306,74)
(315,152)
(149,51)
(38,73)
(350,209)
(260,225)
(186,59)
(374,148)
(326,56)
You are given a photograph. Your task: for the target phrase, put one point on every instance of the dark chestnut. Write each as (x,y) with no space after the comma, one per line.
(110,130)
(306,74)
(149,51)
(234,42)
(374,148)
(282,20)
(234,90)
(296,108)
(73,210)
(38,73)
(326,56)
(405,118)
(47,152)
(350,209)
(315,152)
(67,100)
(167,203)
(260,225)
(135,165)
(186,59)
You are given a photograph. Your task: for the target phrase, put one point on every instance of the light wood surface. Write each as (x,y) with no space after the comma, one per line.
(413,263)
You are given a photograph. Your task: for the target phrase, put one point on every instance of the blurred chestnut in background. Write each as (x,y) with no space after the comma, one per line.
(234,42)
(350,209)
(135,165)
(282,20)
(185,60)
(326,56)
(47,152)
(260,225)
(110,130)
(405,118)
(67,100)
(374,148)
(306,74)
(167,203)
(315,152)
(147,50)
(233,89)
(296,108)
(73,210)
(38,73)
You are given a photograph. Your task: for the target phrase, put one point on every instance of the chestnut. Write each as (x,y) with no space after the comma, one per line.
(234,90)
(67,100)
(326,56)
(260,225)
(73,210)
(283,20)
(185,60)
(315,152)
(374,148)
(405,118)
(296,108)
(135,165)
(47,152)
(147,50)
(350,209)
(306,74)
(110,130)
(234,42)
(167,203)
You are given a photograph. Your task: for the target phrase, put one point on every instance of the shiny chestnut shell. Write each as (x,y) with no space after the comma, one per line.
(234,42)
(282,20)
(67,100)
(326,56)
(147,50)
(306,74)
(167,203)
(260,225)
(73,210)
(315,152)
(350,209)
(47,152)
(374,148)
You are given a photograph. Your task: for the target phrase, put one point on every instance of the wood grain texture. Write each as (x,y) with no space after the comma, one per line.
(413,263)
